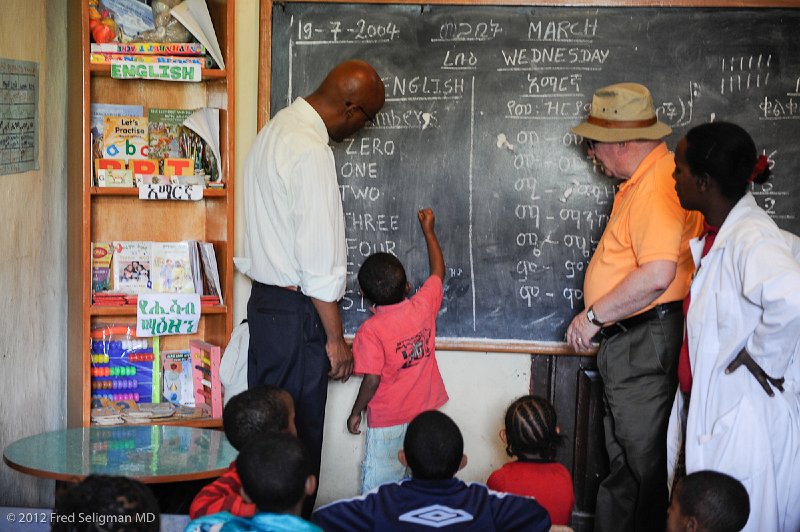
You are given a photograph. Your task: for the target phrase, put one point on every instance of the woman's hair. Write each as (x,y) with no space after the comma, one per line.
(531,428)
(727,154)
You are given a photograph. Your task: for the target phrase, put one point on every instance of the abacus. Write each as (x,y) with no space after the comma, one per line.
(205,376)
(122,365)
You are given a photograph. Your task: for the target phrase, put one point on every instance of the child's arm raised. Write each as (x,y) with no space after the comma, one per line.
(369,385)
(427,221)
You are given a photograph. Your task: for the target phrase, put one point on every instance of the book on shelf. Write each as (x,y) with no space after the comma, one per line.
(97,112)
(102,252)
(125,137)
(176,370)
(186,267)
(149,48)
(132,260)
(106,58)
(164,128)
(172,268)
(210,275)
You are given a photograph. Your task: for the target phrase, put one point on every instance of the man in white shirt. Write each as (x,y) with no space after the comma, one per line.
(295,243)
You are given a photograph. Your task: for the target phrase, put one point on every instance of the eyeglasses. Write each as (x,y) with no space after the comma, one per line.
(369,119)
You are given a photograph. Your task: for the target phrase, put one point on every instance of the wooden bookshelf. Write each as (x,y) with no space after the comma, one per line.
(107,214)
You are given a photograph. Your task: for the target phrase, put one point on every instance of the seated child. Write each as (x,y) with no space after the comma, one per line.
(263,408)
(531,435)
(433,498)
(276,477)
(112,504)
(708,501)
(395,351)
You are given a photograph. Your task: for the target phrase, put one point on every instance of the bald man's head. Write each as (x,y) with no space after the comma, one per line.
(349,97)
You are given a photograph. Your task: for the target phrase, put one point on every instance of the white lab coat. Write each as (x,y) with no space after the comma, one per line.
(746,293)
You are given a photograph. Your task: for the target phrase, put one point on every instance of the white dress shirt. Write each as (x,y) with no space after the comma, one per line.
(294,224)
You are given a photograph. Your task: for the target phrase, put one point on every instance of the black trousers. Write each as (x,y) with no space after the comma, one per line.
(639,371)
(287,349)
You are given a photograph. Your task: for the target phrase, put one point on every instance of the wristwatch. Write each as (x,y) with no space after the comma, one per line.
(592,317)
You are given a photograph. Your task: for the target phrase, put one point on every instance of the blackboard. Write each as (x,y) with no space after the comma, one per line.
(479,102)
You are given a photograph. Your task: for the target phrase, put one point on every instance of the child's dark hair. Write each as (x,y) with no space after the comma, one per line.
(433,446)
(382,279)
(261,408)
(718,501)
(126,505)
(273,469)
(531,428)
(727,154)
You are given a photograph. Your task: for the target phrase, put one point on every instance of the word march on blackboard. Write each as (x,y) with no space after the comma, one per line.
(479,102)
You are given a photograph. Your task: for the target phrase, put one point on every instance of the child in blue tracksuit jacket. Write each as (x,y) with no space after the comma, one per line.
(433,451)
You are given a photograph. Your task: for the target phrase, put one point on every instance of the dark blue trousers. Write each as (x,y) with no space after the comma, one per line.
(287,349)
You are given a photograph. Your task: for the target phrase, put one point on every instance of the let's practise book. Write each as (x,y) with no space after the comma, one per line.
(98,111)
(125,137)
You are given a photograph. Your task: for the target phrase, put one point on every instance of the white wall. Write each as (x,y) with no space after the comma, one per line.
(33,216)
(480,386)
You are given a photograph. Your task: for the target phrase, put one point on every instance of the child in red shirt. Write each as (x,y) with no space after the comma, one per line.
(263,408)
(395,352)
(531,434)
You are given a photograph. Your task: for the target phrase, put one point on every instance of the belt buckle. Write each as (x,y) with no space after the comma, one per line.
(612,330)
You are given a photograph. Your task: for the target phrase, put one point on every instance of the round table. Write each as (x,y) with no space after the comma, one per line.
(148,453)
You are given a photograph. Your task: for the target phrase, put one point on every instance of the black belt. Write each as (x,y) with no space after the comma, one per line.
(657,312)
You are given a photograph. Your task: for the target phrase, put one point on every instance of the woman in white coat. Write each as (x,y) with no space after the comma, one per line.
(744,311)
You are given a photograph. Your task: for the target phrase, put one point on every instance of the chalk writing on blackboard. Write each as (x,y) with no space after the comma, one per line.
(479,102)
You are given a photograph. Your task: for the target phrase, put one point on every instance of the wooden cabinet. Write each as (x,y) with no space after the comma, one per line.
(108,214)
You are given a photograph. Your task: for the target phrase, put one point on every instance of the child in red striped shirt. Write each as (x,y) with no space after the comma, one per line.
(263,408)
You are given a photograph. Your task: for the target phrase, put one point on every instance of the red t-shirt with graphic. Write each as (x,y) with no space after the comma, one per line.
(398,343)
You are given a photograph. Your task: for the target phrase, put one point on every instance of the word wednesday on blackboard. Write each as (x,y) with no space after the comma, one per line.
(479,102)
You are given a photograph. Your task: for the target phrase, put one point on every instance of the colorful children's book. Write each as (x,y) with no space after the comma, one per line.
(132,260)
(107,58)
(172,267)
(100,110)
(150,48)
(102,253)
(176,368)
(164,128)
(125,137)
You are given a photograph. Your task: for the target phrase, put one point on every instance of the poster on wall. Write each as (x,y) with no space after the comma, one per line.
(19,116)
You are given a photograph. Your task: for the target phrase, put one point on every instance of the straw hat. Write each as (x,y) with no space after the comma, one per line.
(622,112)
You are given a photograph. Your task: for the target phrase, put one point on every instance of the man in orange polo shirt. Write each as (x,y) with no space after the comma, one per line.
(633,291)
